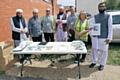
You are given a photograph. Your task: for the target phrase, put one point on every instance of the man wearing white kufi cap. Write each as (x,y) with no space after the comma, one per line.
(19,11)
(48,26)
(61,22)
(19,29)
(35,26)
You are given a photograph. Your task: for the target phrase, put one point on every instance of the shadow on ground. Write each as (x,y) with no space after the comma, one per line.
(60,71)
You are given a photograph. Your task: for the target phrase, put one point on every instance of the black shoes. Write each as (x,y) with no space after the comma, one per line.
(101,67)
(76,60)
(81,60)
(92,65)
(22,60)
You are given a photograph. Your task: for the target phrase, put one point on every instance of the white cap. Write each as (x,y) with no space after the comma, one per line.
(61,7)
(19,10)
(48,9)
(35,10)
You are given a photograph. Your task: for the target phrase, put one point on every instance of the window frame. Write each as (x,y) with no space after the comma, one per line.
(48,1)
(113,19)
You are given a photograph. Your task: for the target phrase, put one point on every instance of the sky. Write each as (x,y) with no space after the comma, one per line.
(66,2)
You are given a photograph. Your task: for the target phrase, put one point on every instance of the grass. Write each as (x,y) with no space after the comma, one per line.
(114,54)
(2,72)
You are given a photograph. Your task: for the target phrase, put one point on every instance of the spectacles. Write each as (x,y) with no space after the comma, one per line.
(101,6)
(47,11)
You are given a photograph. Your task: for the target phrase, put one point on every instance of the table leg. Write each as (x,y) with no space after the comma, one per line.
(22,68)
(30,61)
(79,66)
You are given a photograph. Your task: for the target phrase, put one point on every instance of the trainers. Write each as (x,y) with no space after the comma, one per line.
(92,65)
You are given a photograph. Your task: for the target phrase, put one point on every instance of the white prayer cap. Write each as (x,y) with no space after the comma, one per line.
(48,9)
(61,7)
(35,10)
(19,10)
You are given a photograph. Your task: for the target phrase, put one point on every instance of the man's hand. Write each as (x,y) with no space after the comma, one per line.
(23,31)
(54,31)
(31,35)
(90,29)
(59,21)
(107,41)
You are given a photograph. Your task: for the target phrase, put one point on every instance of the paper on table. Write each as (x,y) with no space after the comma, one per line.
(96,29)
(63,48)
(21,46)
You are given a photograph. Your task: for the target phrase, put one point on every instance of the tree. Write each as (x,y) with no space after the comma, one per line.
(112,4)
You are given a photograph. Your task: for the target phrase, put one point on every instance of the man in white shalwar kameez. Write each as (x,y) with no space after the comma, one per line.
(100,43)
(61,22)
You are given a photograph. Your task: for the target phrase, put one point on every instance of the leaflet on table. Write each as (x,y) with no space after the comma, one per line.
(35,48)
(77,42)
(39,48)
(21,46)
(48,47)
(63,48)
(78,45)
(17,49)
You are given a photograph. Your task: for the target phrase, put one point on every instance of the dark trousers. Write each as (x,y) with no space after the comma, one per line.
(72,37)
(37,39)
(83,55)
(49,37)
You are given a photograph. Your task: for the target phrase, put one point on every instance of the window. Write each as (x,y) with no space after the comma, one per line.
(116,19)
(49,1)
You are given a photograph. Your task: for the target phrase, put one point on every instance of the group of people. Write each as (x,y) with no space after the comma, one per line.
(67,27)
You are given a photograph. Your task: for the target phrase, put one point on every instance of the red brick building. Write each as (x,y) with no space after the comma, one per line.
(8,8)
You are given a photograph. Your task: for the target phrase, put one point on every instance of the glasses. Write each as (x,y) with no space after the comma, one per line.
(47,11)
(101,6)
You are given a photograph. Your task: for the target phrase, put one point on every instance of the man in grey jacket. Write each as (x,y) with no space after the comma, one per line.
(48,26)
(100,44)
(35,27)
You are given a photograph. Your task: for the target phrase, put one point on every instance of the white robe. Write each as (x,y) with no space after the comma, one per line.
(98,46)
(97,43)
(60,34)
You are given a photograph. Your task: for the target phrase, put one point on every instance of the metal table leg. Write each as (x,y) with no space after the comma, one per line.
(79,66)
(22,69)
(23,63)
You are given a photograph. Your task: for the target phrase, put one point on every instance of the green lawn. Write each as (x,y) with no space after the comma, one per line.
(114,54)
(2,72)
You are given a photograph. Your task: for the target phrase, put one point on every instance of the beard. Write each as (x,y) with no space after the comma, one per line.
(101,11)
(61,13)
(19,16)
(35,17)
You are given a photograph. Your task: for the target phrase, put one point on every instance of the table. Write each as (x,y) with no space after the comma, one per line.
(57,48)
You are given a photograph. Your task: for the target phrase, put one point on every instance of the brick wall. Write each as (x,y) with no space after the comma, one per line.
(8,7)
